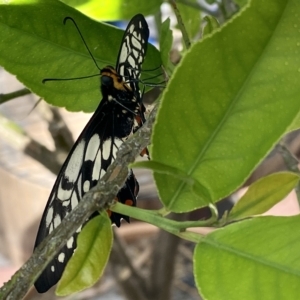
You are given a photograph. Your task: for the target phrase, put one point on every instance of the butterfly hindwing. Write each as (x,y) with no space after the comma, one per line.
(97,145)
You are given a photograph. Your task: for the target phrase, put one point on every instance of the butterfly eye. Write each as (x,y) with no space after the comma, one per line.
(107,80)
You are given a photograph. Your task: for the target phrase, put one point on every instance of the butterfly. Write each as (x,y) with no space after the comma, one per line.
(119,114)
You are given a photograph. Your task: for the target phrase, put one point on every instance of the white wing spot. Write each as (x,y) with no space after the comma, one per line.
(131,61)
(52,269)
(117,144)
(97,167)
(51,228)
(53,197)
(131,28)
(61,257)
(136,43)
(137,35)
(72,170)
(62,194)
(122,70)
(106,149)
(57,220)
(49,216)
(66,203)
(79,186)
(74,201)
(102,173)
(92,148)
(75,162)
(135,53)
(86,186)
(70,242)
(124,54)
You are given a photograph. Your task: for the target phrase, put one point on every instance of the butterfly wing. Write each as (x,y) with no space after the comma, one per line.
(130,59)
(133,51)
(88,160)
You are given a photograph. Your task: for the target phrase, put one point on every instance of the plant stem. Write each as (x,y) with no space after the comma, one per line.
(16,94)
(185,36)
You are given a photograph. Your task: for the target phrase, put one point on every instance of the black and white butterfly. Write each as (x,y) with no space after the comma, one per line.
(120,113)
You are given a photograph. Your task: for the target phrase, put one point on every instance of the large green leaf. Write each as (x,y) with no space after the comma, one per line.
(90,258)
(115,9)
(253,259)
(231,98)
(36,45)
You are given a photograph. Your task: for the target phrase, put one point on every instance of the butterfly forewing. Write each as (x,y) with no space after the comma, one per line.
(97,145)
(133,50)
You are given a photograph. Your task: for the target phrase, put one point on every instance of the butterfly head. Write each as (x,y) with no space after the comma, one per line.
(110,79)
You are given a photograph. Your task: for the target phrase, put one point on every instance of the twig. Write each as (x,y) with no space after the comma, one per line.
(43,155)
(61,134)
(181,26)
(98,198)
(10,96)
(17,138)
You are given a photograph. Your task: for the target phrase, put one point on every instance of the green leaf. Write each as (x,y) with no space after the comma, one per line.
(231,98)
(193,186)
(44,48)
(163,169)
(210,25)
(165,43)
(264,194)
(156,218)
(296,124)
(90,258)
(115,9)
(253,259)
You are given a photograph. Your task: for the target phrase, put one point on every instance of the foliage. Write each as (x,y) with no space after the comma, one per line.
(94,244)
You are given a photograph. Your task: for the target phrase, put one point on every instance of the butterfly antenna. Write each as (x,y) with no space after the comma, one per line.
(147,83)
(85,44)
(66,79)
